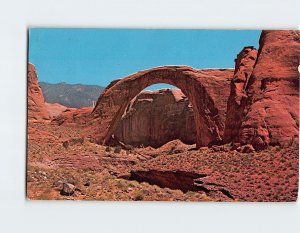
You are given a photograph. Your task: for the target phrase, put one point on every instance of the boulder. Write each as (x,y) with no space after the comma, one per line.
(246,149)
(221,148)
(67,189)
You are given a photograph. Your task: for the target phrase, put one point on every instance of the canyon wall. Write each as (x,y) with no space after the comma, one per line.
(154,118)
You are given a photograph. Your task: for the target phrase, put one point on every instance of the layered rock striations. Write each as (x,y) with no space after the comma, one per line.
(35,100)
(154,118)
(272,109)
(238,99)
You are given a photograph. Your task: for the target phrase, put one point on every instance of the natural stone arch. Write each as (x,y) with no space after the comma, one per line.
(207,90)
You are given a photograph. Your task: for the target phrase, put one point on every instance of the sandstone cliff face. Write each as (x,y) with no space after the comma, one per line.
(272,111)
(156,117)
(35,99)
(244,64)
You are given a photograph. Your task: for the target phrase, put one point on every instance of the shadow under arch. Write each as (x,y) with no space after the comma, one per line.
(157,115)
(207,91)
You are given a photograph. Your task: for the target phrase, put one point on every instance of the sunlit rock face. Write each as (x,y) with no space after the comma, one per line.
(238,99)
(35,100)
(272,109)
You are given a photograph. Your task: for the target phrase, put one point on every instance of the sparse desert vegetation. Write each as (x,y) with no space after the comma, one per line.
(97,172)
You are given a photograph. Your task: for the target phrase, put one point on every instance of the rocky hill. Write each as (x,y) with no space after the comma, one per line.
(71,95)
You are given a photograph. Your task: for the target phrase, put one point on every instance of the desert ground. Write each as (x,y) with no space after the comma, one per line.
(62,165)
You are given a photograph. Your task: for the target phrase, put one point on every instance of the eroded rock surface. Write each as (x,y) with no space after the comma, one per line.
(55,109)
(36,104)
(272,116)
(244,64)
(76,117)
(207,90)
(154,118)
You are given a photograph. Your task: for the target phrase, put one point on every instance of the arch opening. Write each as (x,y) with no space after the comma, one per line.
(155,117)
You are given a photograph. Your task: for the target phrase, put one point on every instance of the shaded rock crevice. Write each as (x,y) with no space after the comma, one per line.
(154,118)
(182,180)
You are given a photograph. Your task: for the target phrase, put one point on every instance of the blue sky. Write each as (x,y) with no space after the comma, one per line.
(98,56)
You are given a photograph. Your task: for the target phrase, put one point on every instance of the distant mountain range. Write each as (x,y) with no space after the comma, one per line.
(71,95)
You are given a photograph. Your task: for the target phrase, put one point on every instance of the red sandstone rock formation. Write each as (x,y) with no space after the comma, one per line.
(55,109)
(244,64)
(272,111)
(77,117)
(154,118)
(207,90)
(35,99)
